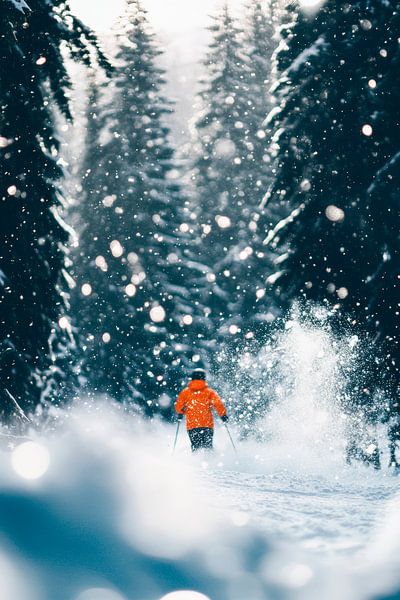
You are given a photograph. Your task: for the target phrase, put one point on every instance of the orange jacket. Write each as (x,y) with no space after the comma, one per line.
(196,402)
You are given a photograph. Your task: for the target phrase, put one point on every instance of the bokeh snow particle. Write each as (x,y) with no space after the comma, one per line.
(224,148)
(130,290)
(157,314)
(222,221)
(30,460)
(305,185)
(100,594)
(342,293)
(334,213)
(108,201)
(4,142)
(185,595)
(64,323)
(367,130)
(12,190)
(260,293)
(86,289)
(116,248)
(101,263)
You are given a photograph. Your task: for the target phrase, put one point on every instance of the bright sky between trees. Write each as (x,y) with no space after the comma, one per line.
(170,16)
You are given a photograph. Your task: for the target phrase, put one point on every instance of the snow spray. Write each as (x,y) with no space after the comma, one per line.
(290,395)
(305,423)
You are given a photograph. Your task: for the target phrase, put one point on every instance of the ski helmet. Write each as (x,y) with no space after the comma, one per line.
(199,374)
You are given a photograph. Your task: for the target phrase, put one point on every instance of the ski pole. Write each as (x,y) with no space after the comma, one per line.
(230,437)
(176,435)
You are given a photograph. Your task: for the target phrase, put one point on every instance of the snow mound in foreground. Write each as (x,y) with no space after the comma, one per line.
(103,511)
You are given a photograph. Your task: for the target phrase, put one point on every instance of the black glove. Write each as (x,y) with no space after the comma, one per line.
(180,417)
(225,418)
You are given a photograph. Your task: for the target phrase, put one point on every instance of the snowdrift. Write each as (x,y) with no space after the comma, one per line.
(100,509)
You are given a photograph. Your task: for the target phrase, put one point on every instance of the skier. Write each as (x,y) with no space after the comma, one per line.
(196,403)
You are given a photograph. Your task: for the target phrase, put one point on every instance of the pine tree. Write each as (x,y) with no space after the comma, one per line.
(335,145)
(136,313)
(33,80)
(229,171)
(260,42)
(382,205)
(259,45)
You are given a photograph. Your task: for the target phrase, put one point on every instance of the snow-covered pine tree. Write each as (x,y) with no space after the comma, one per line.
(382,201)
(335,144)
(260,41)
(229,170)
(135,310)
(258,47)
(33,79)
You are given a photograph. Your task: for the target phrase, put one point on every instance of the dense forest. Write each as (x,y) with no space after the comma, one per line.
(287,195)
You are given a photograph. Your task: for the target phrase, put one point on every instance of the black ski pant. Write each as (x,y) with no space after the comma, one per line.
(201,437)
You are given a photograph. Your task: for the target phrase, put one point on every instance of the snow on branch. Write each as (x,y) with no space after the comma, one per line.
(20,5)
(282,224)
(384,172)
(305,56)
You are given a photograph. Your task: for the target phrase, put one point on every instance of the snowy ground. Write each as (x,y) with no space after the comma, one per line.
(330,518)
(334,528)
(111,514)
(96,506)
